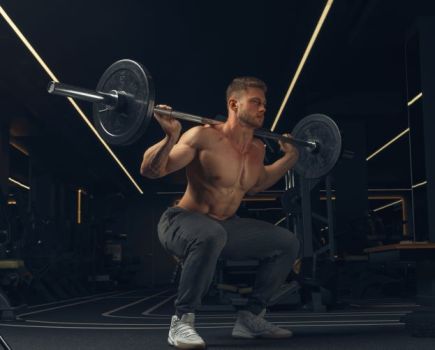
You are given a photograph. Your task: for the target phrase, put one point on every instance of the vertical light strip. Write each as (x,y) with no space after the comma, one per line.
(419,184)
(387,205)
(16,182)
(304,58)
(79,206)
(387,144)
(415,99)
(74,104)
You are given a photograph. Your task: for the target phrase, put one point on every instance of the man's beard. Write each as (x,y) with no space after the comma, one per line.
(250,121)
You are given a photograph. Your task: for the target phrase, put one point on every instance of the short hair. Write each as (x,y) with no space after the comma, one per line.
(243,83)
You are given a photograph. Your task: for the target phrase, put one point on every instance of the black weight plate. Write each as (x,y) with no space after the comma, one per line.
(323,130)
(124,125)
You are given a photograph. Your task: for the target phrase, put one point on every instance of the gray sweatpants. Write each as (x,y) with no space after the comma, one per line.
(200,240)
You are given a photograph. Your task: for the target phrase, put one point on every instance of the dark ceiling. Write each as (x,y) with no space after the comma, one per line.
(355,71)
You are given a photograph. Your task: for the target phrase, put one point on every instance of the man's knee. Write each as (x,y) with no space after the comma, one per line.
(288,242)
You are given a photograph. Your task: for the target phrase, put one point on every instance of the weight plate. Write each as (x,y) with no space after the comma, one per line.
(127,122)
(325,132)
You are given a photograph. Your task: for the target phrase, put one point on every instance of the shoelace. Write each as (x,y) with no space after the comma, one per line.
(184,330)
(259,323)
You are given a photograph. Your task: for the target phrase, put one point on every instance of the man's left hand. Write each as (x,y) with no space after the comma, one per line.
(288,148)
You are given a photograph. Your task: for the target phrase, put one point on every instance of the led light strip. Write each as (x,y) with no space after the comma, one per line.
(419,184)
(387,205)
(74,104)
(404,132)
(19,148)
(16,182)
(401,200)
(304,58)
(415,99)
(280,220)
(79,206)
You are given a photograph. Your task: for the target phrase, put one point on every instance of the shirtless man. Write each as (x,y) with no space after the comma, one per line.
(223,162)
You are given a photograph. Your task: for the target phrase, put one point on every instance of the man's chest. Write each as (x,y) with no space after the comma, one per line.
(225,167)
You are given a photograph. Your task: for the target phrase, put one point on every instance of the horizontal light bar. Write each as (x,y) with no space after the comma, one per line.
(415,99)
(259,199)
(16,182)
(74,104)
(302,62)
(419,184)
(404,132)
(388,205)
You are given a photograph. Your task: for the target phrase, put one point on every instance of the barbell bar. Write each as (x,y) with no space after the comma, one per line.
(118,100)
(124,105)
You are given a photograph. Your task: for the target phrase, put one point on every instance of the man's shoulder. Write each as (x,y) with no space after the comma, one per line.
(258,143)
(201,134)
(204,130)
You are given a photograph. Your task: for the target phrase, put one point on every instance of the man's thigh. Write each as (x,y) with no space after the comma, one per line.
(178,229)
(250,238)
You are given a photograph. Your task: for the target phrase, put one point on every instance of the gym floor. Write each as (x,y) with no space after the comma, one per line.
(139,319)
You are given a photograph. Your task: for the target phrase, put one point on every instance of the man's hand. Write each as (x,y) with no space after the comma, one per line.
(288,148)
(170,126)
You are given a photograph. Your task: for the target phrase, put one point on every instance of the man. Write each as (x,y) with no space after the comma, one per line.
(223,162)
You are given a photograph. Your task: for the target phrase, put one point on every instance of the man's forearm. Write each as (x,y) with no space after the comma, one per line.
(156,157)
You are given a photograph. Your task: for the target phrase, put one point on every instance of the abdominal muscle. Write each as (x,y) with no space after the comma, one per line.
(218,203)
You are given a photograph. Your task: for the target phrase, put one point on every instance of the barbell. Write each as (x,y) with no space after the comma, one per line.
(123,105)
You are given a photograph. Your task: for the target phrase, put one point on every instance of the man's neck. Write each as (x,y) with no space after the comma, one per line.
(240,135)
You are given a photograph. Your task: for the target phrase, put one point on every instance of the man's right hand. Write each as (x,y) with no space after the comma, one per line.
(170,125)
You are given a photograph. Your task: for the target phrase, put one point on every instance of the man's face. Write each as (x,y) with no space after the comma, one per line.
(251,107)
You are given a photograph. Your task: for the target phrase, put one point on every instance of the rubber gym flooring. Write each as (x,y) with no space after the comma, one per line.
(140,319)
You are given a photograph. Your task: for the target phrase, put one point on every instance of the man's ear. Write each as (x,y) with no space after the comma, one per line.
(232,104)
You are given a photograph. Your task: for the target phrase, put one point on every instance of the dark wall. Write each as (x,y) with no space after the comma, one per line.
(350,182)
(139,221)
(4,157)
(427,53)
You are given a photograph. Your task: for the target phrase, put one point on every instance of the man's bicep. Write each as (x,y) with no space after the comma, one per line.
(184,151)
(258,187)
(180,156)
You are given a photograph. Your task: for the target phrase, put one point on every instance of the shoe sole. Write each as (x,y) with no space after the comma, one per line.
(240,334)
(180,345)
(245,335)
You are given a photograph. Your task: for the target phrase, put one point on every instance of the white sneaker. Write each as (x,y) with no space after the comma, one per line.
(249,326)
(182,333)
